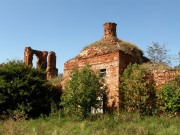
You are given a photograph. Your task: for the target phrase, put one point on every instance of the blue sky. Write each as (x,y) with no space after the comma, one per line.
(66,26)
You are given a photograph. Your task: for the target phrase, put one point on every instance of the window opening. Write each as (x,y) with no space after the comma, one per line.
(103,73)
(34,61)
(102,99)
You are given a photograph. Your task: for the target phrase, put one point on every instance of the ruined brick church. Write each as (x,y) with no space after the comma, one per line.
(110,56)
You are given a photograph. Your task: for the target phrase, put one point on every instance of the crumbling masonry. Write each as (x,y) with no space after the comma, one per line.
(110,56)
(41,62)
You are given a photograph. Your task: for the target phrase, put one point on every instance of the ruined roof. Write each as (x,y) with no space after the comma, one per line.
(104,46)
(110,43)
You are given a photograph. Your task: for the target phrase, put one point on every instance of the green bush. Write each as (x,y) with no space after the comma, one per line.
(138,93)
(24,91)
(81,92)
(169,97)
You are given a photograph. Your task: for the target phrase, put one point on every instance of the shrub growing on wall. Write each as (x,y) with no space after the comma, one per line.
(24,91)
(137,89)
(81,92)
(169,97)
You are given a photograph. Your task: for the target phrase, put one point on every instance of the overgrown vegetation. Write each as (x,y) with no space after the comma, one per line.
(104,46)
(24,91)
(169,97)
(140,95)
(117,124)
(138,90)
(82,92)
(104,42)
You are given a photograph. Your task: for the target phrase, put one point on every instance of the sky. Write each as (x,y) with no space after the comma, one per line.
(67,26)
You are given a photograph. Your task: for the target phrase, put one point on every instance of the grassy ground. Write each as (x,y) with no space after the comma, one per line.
(119,124)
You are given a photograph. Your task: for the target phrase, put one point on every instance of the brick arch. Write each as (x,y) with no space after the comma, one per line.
(41,56)
(41,61)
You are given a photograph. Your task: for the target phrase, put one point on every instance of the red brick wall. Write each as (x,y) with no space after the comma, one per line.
(162,76)
(114,63)
(110,62)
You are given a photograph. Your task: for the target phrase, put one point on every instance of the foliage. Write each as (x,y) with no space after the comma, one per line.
(138,90)
(82,92)
(24,91)
(158,53)
(169,97)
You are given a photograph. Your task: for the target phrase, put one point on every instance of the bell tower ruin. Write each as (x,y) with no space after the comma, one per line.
(110,31)
(51,68)
(41,61)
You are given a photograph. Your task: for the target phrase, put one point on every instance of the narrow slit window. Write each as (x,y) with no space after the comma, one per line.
(103,72)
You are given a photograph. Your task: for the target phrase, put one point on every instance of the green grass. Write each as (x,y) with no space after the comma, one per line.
(118,124)
(56,80)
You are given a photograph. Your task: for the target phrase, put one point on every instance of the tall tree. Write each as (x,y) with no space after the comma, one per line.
(158,53)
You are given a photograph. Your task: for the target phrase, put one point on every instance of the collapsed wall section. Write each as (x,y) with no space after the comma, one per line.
(41,61)
(161,77)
